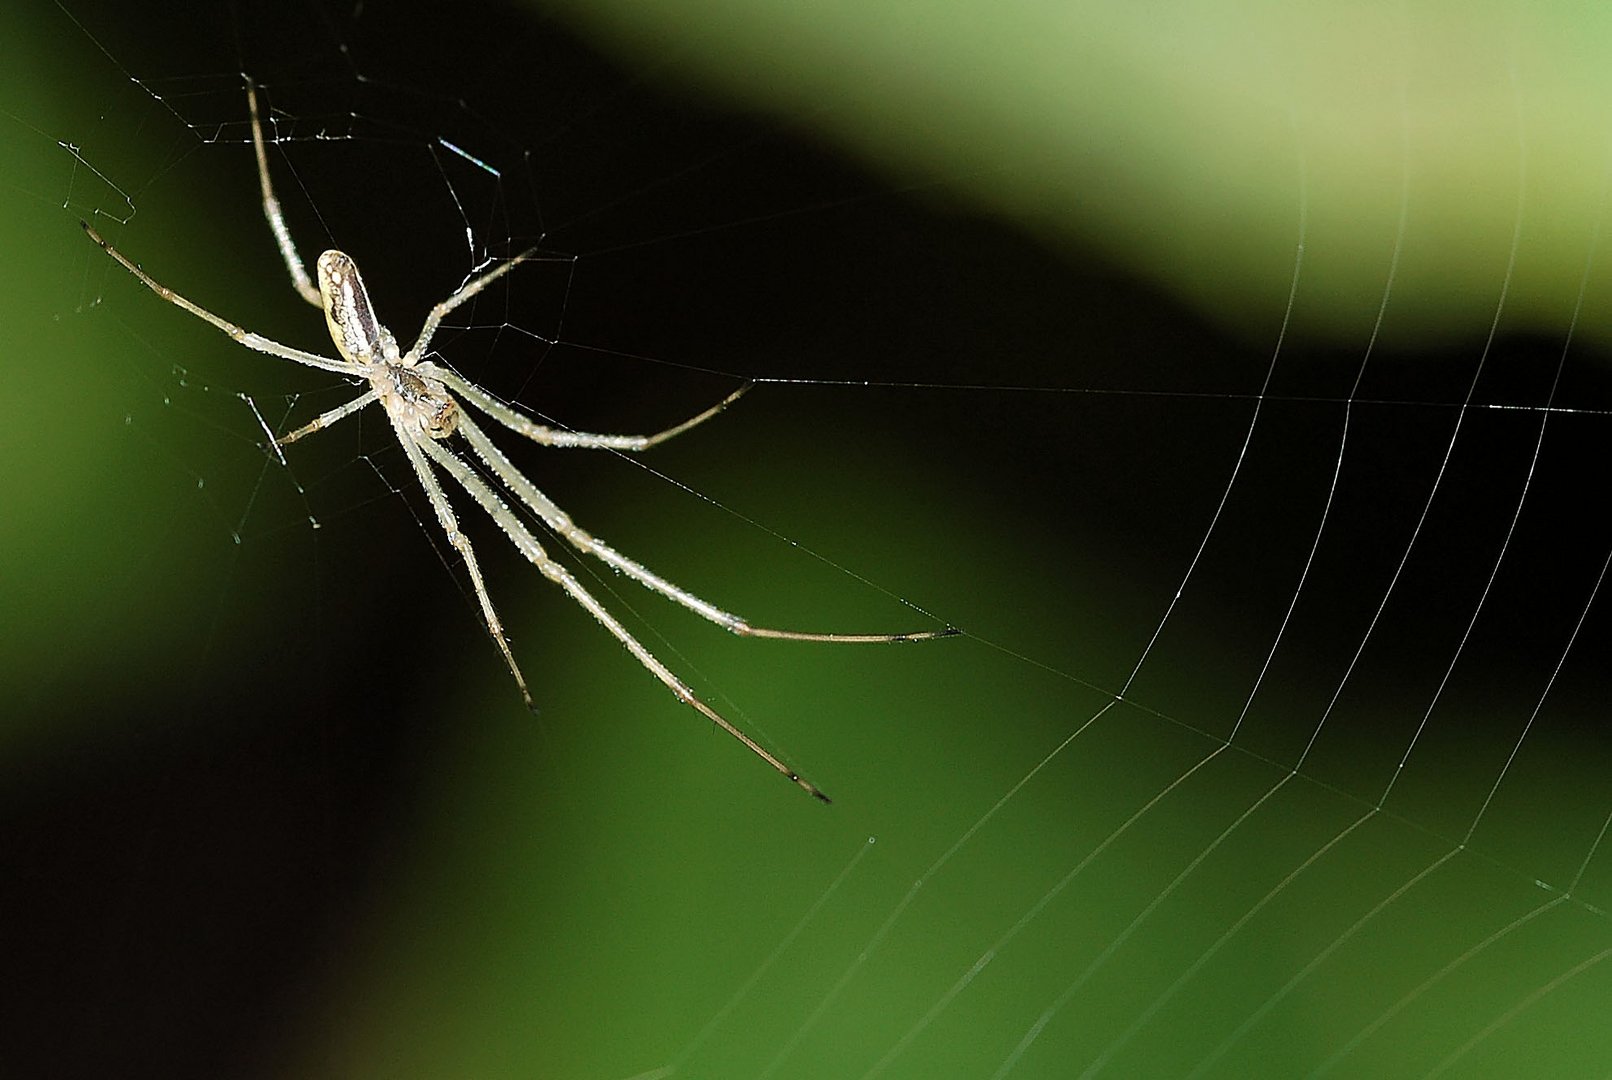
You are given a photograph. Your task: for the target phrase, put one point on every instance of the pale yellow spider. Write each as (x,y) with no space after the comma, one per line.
(418,397)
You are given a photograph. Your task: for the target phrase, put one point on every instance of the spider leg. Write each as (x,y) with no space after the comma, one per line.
(250,340)
(463,293)
(529,547)
(460,542)
(271,210)
(325,419)
(583,541)
(521,424)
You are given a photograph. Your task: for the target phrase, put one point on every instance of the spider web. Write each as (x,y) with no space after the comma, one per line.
(1273,745)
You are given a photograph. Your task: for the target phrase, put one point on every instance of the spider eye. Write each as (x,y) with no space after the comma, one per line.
(348,314)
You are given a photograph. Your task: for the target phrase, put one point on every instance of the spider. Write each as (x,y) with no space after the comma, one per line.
(424,403)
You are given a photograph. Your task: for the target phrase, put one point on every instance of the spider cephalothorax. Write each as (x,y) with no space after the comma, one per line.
(425,403)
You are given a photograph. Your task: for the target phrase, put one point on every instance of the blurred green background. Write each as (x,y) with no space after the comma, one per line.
(271,806)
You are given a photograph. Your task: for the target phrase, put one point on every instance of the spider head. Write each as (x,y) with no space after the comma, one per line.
(358,334)
(421,403)
(442,418)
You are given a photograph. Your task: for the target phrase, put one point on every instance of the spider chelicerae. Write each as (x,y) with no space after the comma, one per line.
(423,403)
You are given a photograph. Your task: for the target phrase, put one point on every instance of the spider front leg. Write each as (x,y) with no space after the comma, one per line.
(579,538)
(528,546)
(412,444)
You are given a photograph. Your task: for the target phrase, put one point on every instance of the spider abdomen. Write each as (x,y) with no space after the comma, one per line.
(349,315)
